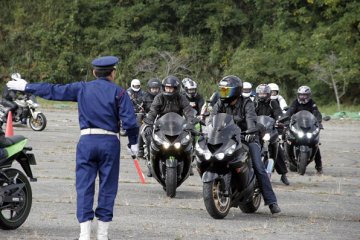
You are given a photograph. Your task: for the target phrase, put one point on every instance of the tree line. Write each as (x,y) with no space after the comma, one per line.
(289,42)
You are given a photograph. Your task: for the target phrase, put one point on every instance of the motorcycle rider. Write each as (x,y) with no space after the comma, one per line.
(195,99)
(169,100)
(305,102)
(243,110)
(136,94)
(247,91)
(264,105)
(153,89)
(8,100)
(275,90)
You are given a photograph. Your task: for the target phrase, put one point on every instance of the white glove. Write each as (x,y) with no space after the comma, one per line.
(133,149)
(17,84)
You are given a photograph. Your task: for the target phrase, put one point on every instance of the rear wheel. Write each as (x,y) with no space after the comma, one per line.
(38,123)
(302,163)
(217,203)
(171,182)
(14,214)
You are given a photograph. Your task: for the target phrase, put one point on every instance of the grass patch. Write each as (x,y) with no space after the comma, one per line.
(331,109)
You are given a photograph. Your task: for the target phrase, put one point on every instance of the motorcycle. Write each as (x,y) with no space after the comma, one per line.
(269,142)
(27,109)
(225,167)
(302,140)
(15,189)
(170,152)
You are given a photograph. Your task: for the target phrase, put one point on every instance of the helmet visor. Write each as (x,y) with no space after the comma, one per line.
(226,92)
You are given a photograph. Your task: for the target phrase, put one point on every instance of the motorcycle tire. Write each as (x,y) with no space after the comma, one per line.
(39,123)
(302,163)
(171,182)
(253,205)
(9,218)
(216,203)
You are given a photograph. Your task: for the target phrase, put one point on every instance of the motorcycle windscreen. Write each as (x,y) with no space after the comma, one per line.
(221,129)
(266,121)
(171,124)
(305,119)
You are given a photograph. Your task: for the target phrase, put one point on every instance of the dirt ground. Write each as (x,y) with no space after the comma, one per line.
(313,207)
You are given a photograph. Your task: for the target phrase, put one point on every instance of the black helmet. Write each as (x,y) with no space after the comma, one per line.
(171,81)
(263,92)
(230,88)
(154,86)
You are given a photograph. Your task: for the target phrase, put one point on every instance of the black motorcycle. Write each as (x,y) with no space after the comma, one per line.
(269,142)
(170,152)
(15,189)
(225,167)
(302,140)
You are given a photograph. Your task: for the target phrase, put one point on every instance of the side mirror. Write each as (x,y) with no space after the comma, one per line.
(15,76)
(286,108)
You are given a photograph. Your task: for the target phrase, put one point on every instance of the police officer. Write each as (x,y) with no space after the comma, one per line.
(153,89)
(232,102)
(101,104)
(264,105)
(169,100)
(305,102)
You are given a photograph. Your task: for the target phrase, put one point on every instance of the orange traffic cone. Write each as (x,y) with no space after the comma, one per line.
(9,126)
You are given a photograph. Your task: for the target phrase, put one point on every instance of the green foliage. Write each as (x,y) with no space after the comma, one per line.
(285,41)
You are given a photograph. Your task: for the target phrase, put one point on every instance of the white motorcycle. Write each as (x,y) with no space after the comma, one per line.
(26,111)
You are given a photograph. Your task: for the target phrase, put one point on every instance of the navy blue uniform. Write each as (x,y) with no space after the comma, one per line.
(101,105)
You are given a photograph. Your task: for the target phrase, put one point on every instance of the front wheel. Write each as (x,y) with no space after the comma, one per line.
(14,214)
(171,182)
(38,123)
(217,203)
(302,163)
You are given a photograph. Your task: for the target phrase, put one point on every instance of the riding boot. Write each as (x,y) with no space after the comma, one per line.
(102,231)
(85,230)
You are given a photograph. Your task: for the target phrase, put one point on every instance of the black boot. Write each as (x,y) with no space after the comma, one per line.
(274,208)
(284,179)
(319,170)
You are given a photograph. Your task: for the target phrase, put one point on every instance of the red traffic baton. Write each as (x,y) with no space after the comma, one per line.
(138,169)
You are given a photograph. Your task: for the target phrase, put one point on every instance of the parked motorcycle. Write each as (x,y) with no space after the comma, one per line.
(170,152)
(15,189)
(302,140)
(225,167)
(27,108)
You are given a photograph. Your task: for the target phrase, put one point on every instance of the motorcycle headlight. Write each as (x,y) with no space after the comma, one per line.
(220,156)
(316,131)
(186,139)
(231,149)
(166,145)
(266,137)
(309,135)
(177,145)
(207,155)
(300,134)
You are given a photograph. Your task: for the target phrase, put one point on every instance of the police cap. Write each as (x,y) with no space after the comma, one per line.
(104,63)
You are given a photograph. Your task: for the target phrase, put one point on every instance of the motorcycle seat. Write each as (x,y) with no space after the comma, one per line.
(12,140)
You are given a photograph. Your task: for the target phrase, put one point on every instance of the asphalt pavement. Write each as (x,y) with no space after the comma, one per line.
(313,207)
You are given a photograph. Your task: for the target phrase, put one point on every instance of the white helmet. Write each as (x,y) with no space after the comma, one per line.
(135,85)
(190,87)
(274,87)
(247,89)
(304,94)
